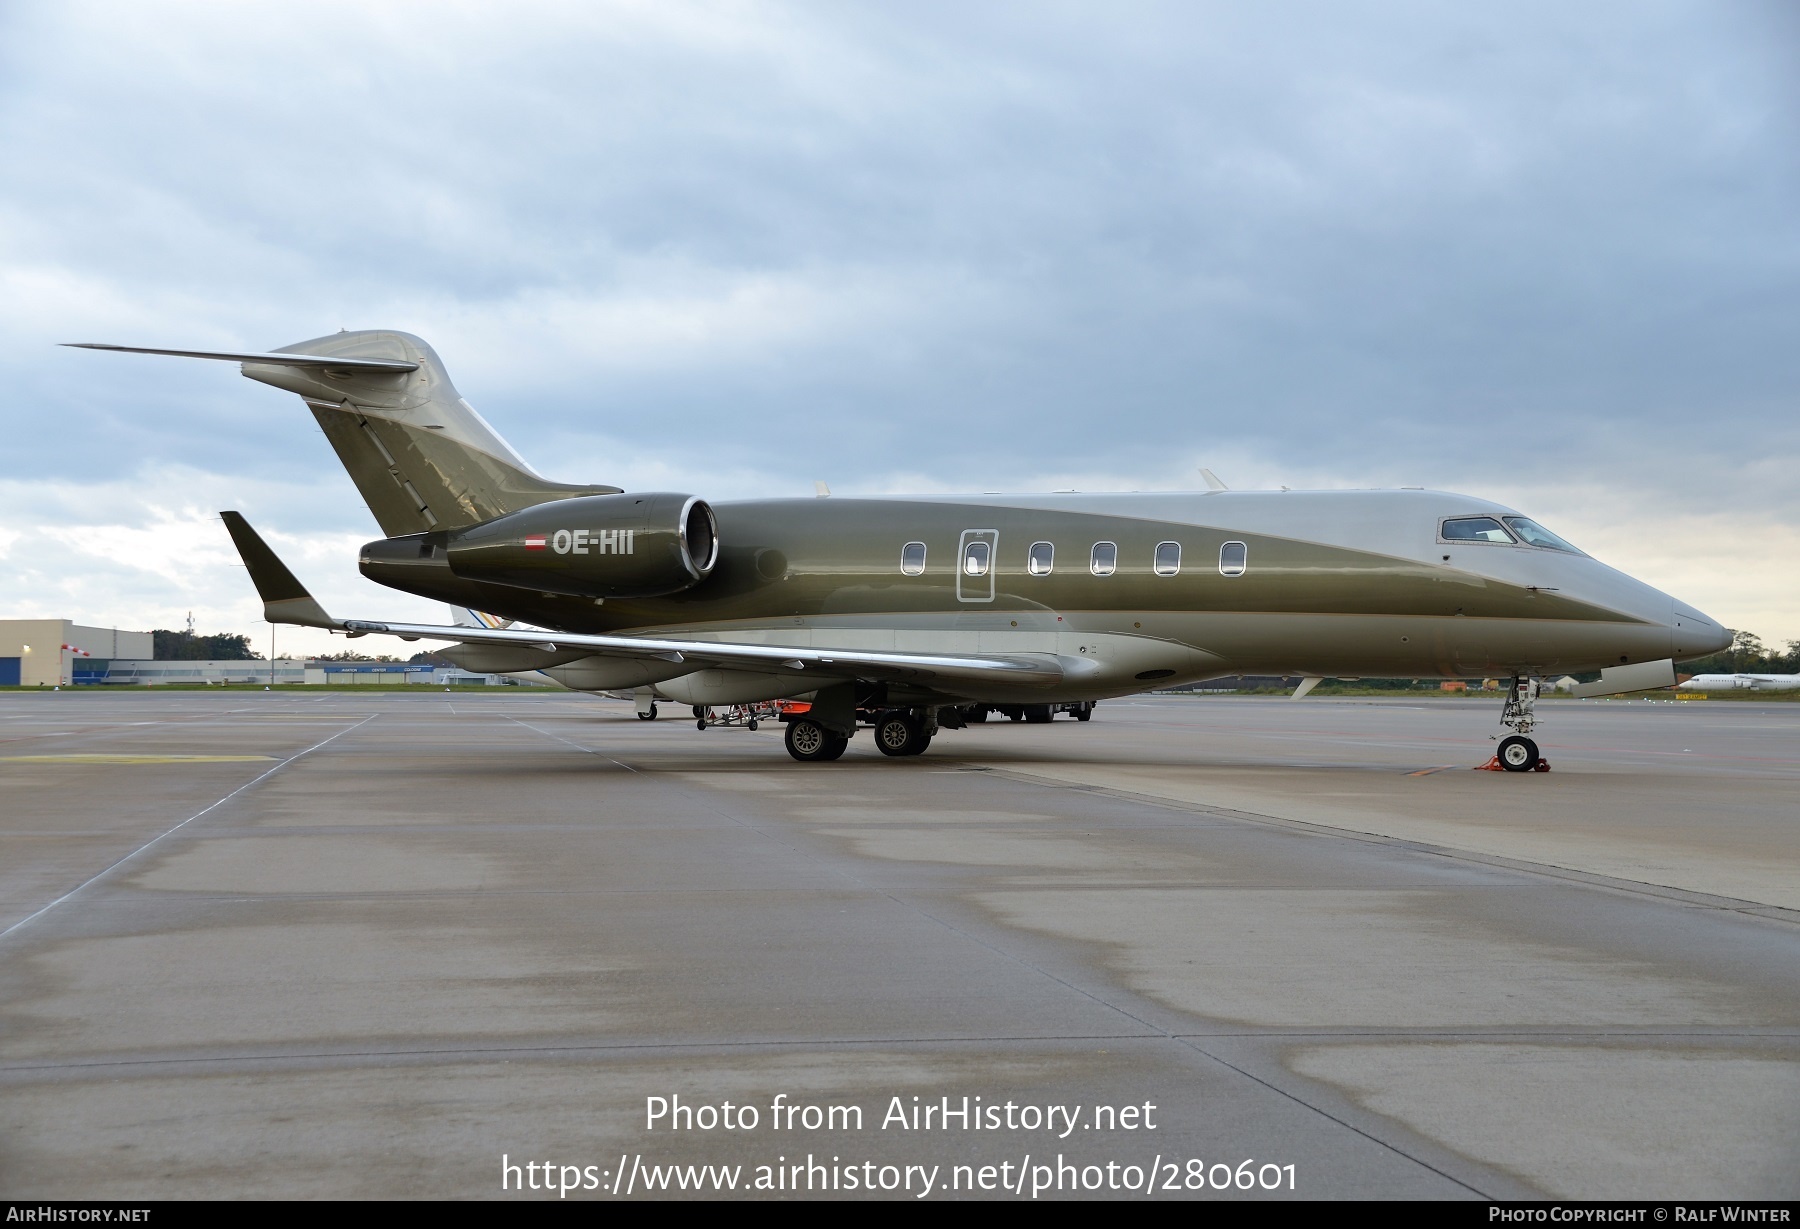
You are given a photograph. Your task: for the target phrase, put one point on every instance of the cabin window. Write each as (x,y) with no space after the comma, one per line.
(975,559)
(1041,559)
(1168,558)
(1474,529)
(1533,534)
(912,558)
(1105,559)
(1234,559)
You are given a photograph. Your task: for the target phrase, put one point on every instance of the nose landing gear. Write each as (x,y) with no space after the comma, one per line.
(1517,752)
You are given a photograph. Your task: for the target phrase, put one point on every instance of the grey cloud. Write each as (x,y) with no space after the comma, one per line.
(970,242)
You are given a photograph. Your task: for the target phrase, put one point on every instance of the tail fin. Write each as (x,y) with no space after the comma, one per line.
(420,454)
(464,616)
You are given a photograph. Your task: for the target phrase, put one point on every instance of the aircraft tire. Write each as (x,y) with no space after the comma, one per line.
(1518,754)
(809,742)
(1038,714)
(976,715)
(898,732)
(649,716)
(1085,712)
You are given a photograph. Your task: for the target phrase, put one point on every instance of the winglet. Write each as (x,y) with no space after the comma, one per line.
(285,599)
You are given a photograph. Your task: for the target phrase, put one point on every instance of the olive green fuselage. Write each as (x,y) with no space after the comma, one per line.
(831,573)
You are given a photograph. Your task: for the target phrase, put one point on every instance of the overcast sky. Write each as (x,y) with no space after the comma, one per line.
(1542,253)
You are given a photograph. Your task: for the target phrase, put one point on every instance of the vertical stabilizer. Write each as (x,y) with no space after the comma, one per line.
(420,454)
(464,616)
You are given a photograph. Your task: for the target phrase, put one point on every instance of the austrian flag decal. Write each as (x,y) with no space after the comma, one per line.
(535,542)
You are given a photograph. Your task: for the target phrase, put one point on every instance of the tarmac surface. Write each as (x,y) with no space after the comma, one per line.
(348,945)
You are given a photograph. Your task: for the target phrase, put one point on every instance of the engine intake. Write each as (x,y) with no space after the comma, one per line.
(622,546)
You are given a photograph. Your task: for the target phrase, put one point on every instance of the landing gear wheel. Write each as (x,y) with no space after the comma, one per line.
(810,742)
(898,732)
(976,715)
(1038,714)
(752,725)
(1084,711)
(700,724)
(649,716)
(1014,714)
(1517,754)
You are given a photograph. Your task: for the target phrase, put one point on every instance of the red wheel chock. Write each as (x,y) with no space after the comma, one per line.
(1494,765)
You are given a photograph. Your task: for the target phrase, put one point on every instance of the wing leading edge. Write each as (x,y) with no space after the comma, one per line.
(286,600)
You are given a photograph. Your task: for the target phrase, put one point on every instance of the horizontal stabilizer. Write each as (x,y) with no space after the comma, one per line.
(275,359)
(285,599)
(1617,680)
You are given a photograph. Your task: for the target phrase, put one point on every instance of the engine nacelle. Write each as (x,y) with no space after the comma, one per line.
(621,546)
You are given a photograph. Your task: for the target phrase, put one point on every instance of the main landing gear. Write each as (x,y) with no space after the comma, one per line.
(810,742)
(898,732)
(1517,752)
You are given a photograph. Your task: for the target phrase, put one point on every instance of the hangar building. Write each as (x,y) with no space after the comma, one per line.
(43,652)
(61,653)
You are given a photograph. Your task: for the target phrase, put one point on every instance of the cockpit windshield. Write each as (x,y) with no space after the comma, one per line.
(1533,534)
(1474,529)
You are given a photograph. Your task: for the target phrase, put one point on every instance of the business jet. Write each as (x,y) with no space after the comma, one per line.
(909,612)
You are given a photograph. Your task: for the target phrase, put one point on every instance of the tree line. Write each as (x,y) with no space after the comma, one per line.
(1747,655)
(187,646)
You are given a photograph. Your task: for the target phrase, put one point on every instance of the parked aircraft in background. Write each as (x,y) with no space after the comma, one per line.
(1742,682)
(910,610)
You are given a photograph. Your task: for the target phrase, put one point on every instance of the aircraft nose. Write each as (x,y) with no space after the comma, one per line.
(1695,635)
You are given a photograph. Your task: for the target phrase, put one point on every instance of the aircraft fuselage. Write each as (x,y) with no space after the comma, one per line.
(1333,583)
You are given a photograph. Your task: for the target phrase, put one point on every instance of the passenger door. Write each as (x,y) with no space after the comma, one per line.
(976,556)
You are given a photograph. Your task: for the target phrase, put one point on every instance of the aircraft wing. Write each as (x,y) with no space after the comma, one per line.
(285,600)
(765,658)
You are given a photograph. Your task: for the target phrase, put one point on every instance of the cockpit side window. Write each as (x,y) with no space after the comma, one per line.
(1473,529)
(1533,534)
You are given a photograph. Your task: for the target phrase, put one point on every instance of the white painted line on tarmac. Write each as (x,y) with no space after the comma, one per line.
(184,823)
